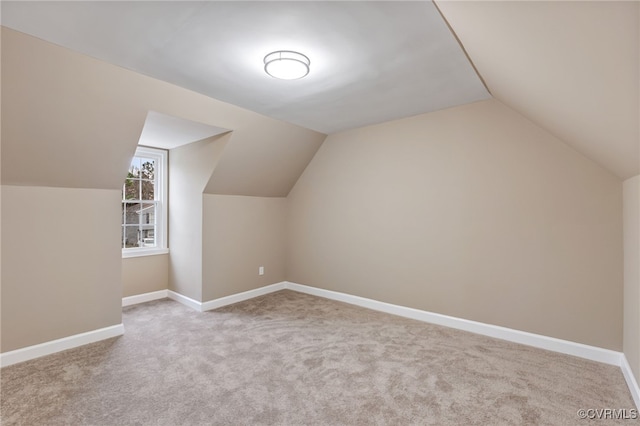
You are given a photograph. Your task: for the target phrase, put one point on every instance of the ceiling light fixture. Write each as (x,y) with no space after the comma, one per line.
(286,65)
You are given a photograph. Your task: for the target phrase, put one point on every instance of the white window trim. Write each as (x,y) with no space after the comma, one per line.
(142,251)
(161,158)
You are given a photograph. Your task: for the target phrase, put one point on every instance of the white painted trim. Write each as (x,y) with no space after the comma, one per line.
(187,301)
(70,342)
(536,340)
(239,297)
(631,380)
(145,297)
(227,300)
(142,251)
(592,353)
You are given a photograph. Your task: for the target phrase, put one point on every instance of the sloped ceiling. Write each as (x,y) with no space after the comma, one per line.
(569,66)
(72,121)
(168,132)
(370,61)
(242,169)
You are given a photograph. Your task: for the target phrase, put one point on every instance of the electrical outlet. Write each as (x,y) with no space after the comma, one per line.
(261,270)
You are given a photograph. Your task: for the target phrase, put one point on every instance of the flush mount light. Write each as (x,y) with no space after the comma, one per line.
(286,65)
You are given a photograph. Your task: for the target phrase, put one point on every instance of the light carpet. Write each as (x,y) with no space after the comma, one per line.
(292,359)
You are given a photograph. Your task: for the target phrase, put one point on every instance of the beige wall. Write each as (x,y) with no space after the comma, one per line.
(472,212)
(61,265)
(241,234)
(145,274)
(0,193)
(190,168)
(632,273)
(71,121)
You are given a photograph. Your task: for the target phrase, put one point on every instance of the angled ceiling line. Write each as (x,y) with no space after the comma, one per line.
(464,50)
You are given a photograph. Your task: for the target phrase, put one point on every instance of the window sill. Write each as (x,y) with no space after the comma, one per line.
(126,253)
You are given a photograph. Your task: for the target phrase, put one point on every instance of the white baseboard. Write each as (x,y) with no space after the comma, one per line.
(631,380)
(227,300)
(187,301)
(592,353)
(536,340)
(145,297)
(48,348)
(239,297)
(544,342)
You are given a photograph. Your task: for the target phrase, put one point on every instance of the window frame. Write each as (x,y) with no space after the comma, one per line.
(160,156)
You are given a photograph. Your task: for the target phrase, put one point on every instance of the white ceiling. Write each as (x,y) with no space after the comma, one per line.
(370,61)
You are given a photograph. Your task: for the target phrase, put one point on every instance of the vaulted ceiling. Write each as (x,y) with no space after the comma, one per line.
(370,61)
(571,67)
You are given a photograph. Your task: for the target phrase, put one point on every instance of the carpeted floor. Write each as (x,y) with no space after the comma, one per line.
(293,359)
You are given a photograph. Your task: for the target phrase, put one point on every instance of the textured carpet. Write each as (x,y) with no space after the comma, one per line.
(293,359)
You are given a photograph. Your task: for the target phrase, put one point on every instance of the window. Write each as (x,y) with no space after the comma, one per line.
(144,206)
